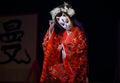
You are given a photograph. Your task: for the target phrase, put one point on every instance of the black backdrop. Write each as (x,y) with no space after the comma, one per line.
(99,20)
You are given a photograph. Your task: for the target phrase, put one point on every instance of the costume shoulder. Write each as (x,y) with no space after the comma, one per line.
(79,31)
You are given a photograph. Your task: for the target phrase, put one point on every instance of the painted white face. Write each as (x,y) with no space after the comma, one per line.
(64,21)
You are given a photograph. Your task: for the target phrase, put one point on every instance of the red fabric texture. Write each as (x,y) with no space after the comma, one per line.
(75,65)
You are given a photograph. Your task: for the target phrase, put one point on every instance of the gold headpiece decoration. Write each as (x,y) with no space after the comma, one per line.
(62,8)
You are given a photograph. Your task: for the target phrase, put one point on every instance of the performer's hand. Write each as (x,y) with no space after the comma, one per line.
(60,47)
(51,27)
(51,23)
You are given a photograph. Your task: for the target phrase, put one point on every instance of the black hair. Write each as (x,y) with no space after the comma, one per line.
(58,29)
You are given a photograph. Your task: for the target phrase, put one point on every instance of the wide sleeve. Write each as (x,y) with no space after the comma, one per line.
(46,39)
(75,62)
(47,43)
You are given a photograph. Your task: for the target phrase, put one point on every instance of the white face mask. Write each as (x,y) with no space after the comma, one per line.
(64,21)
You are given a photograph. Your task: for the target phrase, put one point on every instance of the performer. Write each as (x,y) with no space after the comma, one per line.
(65,52)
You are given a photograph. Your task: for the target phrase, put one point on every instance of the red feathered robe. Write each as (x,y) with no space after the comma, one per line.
(75,64)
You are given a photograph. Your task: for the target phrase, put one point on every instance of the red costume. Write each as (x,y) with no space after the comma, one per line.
(74,66)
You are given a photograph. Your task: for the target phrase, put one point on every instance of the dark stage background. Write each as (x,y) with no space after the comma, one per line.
(99,22)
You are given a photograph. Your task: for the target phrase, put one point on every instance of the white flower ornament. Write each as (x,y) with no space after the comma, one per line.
(69,10)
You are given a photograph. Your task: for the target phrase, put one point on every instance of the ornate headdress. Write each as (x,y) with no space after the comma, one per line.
(62,8)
